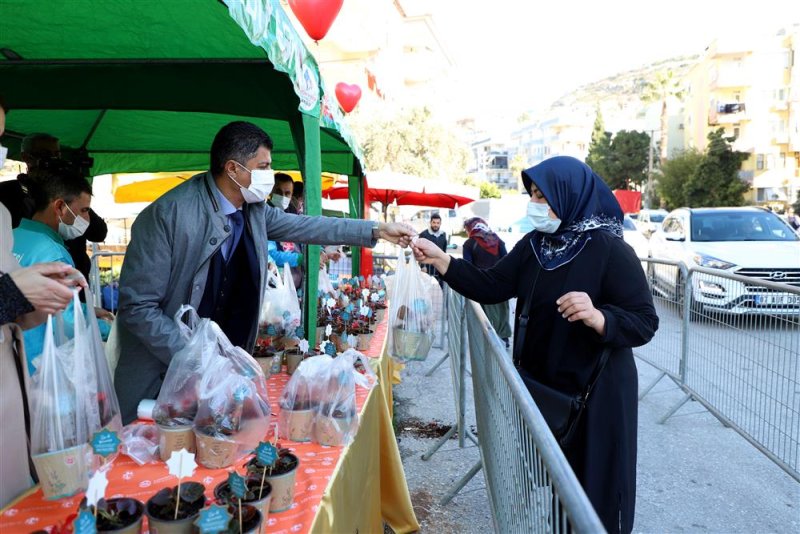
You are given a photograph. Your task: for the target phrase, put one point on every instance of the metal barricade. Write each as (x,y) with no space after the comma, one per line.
(95,284)
(531,485)
(739,354)
(384,264)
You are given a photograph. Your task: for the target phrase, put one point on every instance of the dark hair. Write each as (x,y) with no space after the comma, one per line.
(436,216)
(238,141)
(299,187)
(282,178)
(45,186)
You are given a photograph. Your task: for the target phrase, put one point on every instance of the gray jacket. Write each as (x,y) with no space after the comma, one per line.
(166,265)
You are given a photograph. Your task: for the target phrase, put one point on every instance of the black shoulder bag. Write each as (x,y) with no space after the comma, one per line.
(561,411)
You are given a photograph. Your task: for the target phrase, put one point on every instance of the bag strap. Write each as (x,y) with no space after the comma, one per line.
(521,330)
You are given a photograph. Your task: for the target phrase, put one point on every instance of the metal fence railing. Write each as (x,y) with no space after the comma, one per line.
(531,486)
(384,264)
(732,343)
(95,283)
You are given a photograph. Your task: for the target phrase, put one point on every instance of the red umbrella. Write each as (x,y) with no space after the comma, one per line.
(403,197)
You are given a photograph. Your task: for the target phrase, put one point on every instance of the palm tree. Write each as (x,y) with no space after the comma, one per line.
(664,87)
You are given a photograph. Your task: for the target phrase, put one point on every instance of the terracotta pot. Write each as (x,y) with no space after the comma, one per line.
(222,492)
(293,359)
(332,431)
(63,473)
(175,438)
(215,453)
(296,425)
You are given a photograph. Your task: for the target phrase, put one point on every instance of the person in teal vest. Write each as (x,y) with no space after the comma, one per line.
(61,211)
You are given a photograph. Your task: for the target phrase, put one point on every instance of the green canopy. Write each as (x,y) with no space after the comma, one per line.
(145,85)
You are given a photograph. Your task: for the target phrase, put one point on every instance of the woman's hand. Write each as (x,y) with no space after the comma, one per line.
(426,251)
(47,286)
(577,306)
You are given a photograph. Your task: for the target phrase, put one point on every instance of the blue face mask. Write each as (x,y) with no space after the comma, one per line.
(540,218)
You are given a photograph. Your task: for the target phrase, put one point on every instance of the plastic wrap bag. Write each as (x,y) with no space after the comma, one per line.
(177,401)
(301,398)
(325,286)
(411,317)
(140,443)
(64,409)
(280,308)
(233,412)
(336,419)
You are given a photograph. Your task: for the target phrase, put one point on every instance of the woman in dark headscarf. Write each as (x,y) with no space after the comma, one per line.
(590,294)
(483,249)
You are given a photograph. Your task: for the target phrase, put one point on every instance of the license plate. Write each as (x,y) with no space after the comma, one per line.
(778,300)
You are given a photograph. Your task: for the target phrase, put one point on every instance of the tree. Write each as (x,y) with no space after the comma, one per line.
(627,165)
(489,190)
(599,147)
(716,181)
(664,87)
(675,172)
(517,165)
(411,142)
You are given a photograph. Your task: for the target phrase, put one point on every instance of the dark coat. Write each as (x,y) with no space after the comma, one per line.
(563,354)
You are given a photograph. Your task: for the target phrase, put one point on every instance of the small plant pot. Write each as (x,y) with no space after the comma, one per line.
(282,482)
(215,453)
(293,359)
(223,494)
(160,512)
(136,523)
(165,526)
(63,473)
(380,313)
(411,345)
(251,520)
(363,341)
(320,335)
(174,438)
(332,431)
(266,364)
(296,425)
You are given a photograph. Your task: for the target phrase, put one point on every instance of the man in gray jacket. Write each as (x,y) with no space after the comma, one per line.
(204,243)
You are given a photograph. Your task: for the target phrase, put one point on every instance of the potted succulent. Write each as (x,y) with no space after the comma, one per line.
(120,516)
(215,434)
(281,476)
(257,495)
(170,513)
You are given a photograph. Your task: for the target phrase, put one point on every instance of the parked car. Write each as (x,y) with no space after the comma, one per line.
(648,221)
(751,242)
(634,238)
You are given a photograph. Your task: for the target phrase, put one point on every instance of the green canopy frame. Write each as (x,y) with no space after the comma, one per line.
(144,86)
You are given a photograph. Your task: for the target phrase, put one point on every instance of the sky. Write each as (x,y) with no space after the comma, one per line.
(512,55)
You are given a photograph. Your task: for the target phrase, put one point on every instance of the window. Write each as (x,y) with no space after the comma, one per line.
(736,132)
(760,162)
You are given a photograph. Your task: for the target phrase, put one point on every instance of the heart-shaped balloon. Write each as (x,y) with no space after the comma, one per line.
(348,95)
(316,16)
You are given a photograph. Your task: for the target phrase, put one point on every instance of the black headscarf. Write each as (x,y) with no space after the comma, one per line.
(583,202)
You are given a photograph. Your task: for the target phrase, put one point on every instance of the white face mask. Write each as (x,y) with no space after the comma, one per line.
(74,230)
(540,218)
(261,183)
(3,154)
(280,201)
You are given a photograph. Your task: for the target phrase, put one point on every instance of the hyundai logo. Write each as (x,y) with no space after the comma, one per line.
(778,275)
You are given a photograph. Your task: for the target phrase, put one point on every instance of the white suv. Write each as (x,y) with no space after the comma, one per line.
(751,242)
(648,221)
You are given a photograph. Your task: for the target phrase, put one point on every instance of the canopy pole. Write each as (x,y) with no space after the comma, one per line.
(305,131)
(356,212)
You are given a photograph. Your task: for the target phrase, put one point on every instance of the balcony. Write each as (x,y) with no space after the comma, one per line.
(727,113)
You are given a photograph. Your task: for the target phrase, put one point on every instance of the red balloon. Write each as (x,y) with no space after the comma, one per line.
(316,16)
(348,95)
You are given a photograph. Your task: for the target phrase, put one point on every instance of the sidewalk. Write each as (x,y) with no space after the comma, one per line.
(695,475)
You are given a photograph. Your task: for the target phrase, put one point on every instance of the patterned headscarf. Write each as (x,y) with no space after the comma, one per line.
(583,202)
(479,231)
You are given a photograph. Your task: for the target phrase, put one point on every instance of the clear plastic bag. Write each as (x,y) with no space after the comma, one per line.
(301,398)
(280,308)
(71,399)
(411,317)
(233,412)
(336,419)
(140,443)
(325,286)
(177,401)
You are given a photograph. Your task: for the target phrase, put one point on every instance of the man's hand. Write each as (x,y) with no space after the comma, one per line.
(397,233)
(577,306)
(47,285)
(426,251)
